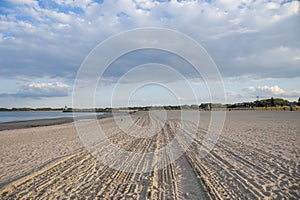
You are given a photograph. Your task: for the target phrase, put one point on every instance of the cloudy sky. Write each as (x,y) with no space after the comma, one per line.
(254,43)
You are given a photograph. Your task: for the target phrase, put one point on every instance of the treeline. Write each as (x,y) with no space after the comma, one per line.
(176,107)
(272,102)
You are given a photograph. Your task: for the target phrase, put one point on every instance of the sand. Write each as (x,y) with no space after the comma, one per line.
(34,123)
(256,156)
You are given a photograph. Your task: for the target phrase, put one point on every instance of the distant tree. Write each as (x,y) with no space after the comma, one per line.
(298,102)
(203,106)
(272,102)
(167,107)
(185,107)
(194,107)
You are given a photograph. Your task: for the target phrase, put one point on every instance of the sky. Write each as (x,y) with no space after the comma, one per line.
(254,43)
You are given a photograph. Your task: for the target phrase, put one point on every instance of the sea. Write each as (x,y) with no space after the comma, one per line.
(14,116)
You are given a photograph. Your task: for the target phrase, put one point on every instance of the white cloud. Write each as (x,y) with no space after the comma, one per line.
(245,38)
(268,91)
(39,90)
(250,93)
(252,89)
(48,85)
(276,90)
(24,2)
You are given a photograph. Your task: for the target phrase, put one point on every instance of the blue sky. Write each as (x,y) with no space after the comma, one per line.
(255,45)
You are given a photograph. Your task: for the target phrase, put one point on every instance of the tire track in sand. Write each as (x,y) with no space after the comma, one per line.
(232,170)
(81,175)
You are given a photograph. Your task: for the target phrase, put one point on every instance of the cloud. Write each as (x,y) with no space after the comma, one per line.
(23,2)
(251,89)
(48,40)
(39,90)
(269,53)
(150,64)
(250,93)
(269,91)
(272,90)
(52,39)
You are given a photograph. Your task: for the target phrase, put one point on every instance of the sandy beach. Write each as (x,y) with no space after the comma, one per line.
(256,157)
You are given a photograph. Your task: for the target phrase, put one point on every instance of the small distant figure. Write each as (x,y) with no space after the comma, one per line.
(291,108)
(284,108)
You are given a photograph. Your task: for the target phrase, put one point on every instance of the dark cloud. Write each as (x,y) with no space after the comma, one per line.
(270,53)
(136,58)
(56,42)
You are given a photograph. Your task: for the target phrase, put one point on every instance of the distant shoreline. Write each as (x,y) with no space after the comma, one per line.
(42,122)
(63,120)
(34,123)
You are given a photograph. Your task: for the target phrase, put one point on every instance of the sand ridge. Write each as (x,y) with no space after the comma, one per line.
(257,156)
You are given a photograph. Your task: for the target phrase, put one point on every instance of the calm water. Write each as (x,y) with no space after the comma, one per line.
(28,115)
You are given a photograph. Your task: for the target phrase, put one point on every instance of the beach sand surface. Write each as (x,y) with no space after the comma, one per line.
(255,157)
